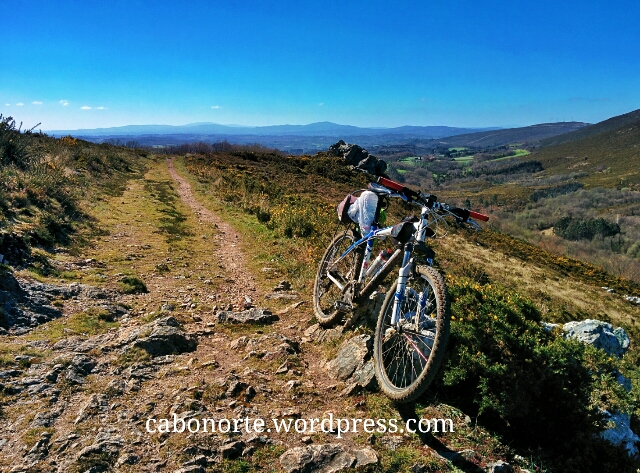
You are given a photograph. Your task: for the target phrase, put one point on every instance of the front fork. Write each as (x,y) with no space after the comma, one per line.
(403,275)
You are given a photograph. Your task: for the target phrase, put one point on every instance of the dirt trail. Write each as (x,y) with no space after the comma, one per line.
(228,253)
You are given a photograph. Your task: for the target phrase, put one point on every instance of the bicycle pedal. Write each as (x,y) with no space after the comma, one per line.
(343,306)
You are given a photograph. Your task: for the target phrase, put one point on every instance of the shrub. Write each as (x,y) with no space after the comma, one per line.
(13,148)
(132,285)
(555,191)
(521,380)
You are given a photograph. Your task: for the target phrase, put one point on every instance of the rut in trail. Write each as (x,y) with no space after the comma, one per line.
(228,253)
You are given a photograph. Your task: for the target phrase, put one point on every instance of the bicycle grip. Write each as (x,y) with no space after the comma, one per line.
(391,184)
(478,216)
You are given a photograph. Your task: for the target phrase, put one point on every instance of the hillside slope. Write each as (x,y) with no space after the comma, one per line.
(606,159)
(528,134)
(610,124)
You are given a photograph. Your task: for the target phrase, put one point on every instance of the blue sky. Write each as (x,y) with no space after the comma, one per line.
(86,64)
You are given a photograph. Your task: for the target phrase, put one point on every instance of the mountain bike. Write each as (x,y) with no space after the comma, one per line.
(413,323)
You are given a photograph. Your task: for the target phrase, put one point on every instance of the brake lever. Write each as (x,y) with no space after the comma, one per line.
(469,224)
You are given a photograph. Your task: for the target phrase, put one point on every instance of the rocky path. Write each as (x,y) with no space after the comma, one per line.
(228,253)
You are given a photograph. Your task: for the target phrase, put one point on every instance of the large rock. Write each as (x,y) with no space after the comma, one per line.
(358,157)
(620,432)
(250,316)
(353,363)
(327,458)
(599,334)
(372,165)
(27,304)
(164,337)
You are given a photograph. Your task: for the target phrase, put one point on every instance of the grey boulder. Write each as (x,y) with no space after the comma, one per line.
(601,335)
(327,458)
(165,337)
(353,363)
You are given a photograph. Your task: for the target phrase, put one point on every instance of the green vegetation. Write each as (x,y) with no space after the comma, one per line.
(9,351)
(571,228)
(87,323)
(535,388)
(43,181)
(132,285)
(290,197)
(31,436)
(132,356)
(517,154)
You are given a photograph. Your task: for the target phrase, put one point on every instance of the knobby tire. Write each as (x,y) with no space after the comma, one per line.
(407,359)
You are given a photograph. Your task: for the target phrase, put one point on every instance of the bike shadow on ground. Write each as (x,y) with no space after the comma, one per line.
(408,411)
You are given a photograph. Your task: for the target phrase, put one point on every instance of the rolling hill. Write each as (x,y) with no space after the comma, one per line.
(314,137)
(606,154)
(527,134)
(610,124)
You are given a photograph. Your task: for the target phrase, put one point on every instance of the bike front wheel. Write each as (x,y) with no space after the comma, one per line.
(407,355)
(327,295)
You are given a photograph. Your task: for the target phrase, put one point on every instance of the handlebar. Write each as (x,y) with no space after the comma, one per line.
(431,201)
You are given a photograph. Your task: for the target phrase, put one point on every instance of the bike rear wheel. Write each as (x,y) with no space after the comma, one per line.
(327,296)
(407,356)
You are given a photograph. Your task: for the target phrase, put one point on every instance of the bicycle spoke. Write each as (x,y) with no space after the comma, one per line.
(406,348)
(415,348)
(334,284)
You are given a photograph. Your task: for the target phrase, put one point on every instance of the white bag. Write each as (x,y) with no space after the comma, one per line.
(363,210)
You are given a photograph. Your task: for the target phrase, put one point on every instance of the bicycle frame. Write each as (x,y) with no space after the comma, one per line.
(369,239)
(407,261)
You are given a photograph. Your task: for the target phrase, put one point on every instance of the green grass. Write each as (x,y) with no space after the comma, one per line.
(410,161)
(464,159)
(87,323)
(44,183)
(33,435)
(8,352)
(519,153)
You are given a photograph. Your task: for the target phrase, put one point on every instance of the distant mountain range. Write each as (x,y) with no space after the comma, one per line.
(309,139)
(326,129)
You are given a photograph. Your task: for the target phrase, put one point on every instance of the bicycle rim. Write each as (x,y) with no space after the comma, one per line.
(408,355)
(326,292)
